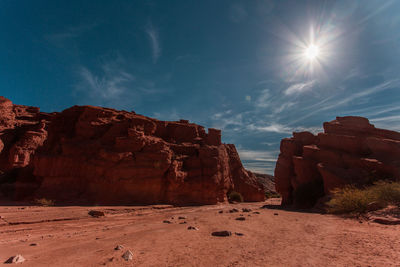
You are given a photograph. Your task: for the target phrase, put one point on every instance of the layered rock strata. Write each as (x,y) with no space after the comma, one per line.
(89,154)
(349,151)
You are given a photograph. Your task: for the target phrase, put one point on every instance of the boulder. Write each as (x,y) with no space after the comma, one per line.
(350,151)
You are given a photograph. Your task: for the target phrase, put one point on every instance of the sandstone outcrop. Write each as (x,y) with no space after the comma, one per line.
(350,151)
(89,154)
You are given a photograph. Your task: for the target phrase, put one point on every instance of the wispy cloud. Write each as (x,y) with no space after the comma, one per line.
(274,127)
(260,161)
(152,33)
(299,88)
(110,84)
(339,100)
(263,99)
(387,122)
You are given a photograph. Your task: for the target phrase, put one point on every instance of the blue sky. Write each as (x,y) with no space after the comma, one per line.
(235,65)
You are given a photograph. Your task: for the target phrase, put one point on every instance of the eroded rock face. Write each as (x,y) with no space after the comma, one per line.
(350,151)
(97,155)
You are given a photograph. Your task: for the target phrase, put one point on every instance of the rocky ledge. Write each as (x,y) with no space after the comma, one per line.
(96,155)
(350,151)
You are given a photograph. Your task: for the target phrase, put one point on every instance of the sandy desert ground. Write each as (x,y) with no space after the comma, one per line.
(68,236)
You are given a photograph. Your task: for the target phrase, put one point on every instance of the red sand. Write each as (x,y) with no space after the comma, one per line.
(67,236)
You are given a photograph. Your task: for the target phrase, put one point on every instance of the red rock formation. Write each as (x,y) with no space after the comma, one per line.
(350,151)
(98,155)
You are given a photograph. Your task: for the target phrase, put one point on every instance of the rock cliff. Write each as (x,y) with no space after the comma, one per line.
(88,154)
(350,151)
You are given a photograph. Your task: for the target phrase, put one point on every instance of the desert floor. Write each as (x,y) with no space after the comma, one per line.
(68,236)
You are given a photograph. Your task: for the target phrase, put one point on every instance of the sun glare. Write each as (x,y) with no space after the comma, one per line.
(312,52)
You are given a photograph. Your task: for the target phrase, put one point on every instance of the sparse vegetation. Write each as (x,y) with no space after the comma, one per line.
(44,202)
(360,200)
(235,197)
(272,194)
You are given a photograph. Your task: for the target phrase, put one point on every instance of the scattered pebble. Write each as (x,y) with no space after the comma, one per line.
(239,234)
(246,210)
(276,214)
(15,259)
(181,217)
(221,233)
(221,211)
(96,213)
(166,221)
(192,228)
(233,210)
(184,222)
(256,212)
(33,244)
(128,255)
(119,247)
(240,218)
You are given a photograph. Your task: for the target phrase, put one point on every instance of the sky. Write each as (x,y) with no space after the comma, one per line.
(257,70)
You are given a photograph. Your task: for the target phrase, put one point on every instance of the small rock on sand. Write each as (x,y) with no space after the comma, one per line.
(239,234)
(386,221)
(181,217)
(33,244)
(221,233)
(15,259)
(246,210)
(166,221)
(128,255)
(240,218)
(119,247)
(192,228)
(233,210)
(221,211)
(96,213)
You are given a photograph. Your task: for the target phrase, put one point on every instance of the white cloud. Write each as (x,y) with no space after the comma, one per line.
(339,100)
(387,122)
(274,127)
(154,42)
(299,88)
(258,155)
(264,99)
(260,161)
(110,85)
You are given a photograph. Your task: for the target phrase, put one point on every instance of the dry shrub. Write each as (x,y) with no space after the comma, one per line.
(44,202)
(351,199)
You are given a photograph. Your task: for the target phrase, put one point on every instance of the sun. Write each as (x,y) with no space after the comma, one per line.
(311,52)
